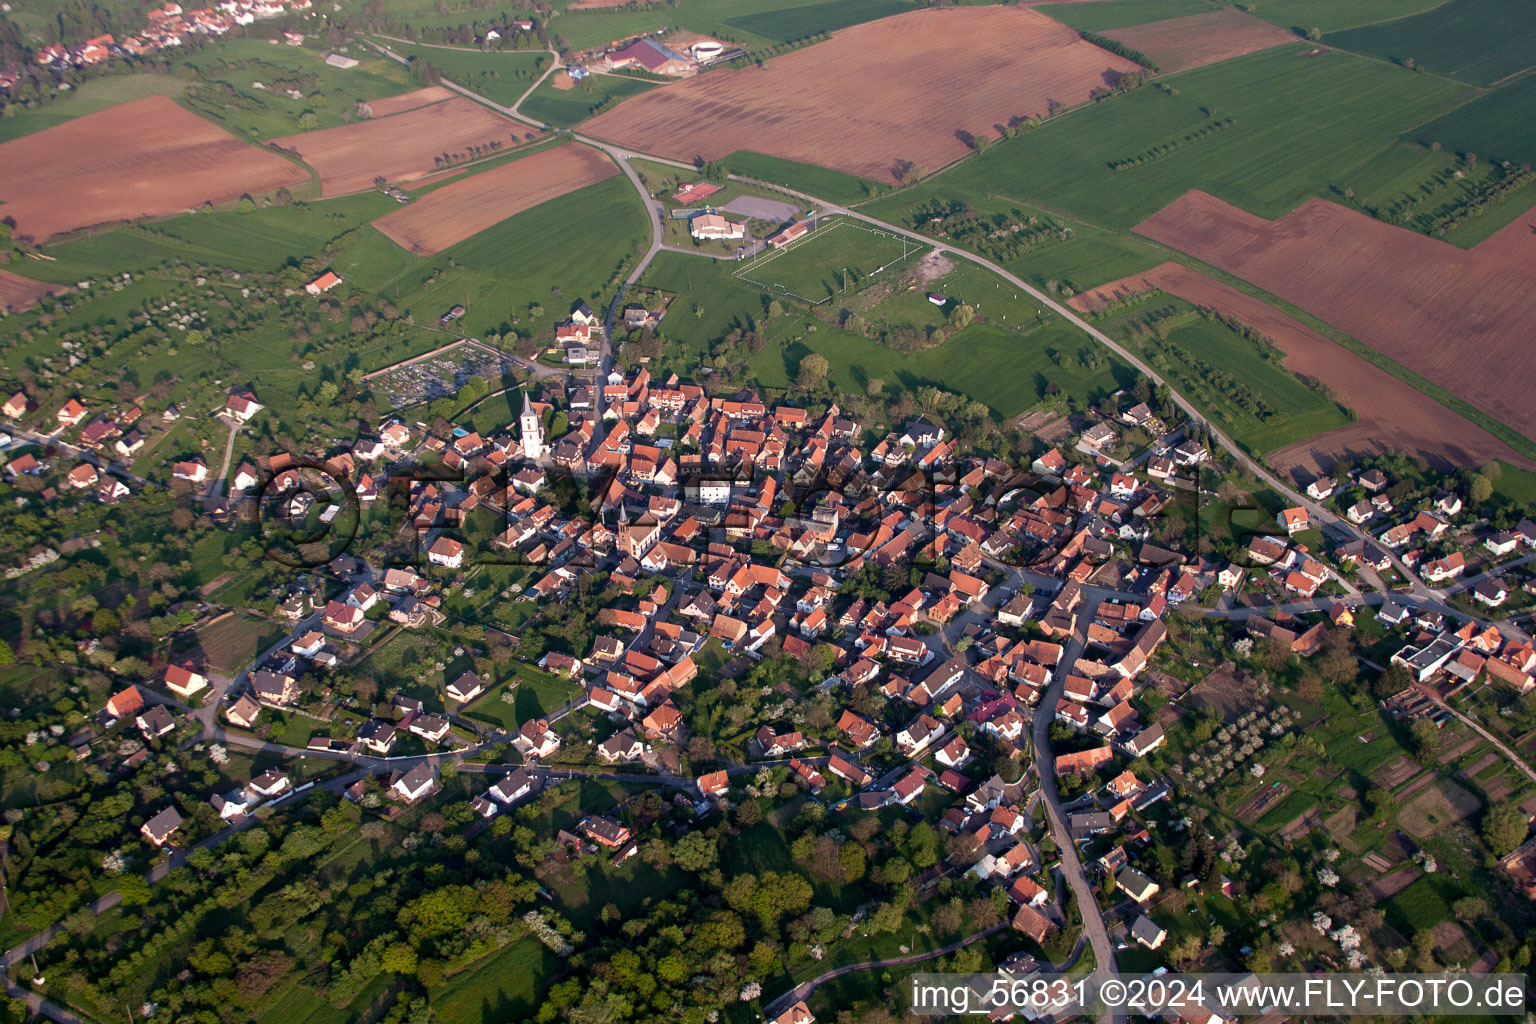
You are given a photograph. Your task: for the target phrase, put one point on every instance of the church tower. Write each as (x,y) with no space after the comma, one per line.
(533,431)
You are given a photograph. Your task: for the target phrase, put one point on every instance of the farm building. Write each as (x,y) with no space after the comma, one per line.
(324,283)
(649,55)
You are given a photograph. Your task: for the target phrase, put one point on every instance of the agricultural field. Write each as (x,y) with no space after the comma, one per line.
(403,147)
(1103,15)
(797,107)
(498,273)
(831,185)
(1457,317)
(564,107)
(1478,41)
(753,24)
(88,98)
(500,76)
(18,293)
(1498,126)
(1238,382)
(838,256)
(1300,16)
(1299,127)
(1009,362)
(1178,44)
(1391,414)
(448,215)
(256,90)
(146,158)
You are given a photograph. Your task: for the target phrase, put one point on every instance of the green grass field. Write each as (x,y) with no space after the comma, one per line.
(227,94)
(1335,15)
(1498,126)
(503,986)
(566,107)
(502,270)
(839,256)
(821,182)
(500,76)
(750,23)
(1300,411)
(1477,41)
(1005,369)
(798,22)
(1302,127)
(1104,15)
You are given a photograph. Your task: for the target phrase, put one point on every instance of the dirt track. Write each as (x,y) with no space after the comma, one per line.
(148,158)
(401,147)
(1178,44)
(1392,413)
(1461,318)
(874,97)
(454,212)
(18,293)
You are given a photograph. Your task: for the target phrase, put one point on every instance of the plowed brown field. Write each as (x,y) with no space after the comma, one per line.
(1461,318)
(874,98)
(17,292)
(455,212)
(1178,44)
(148,158)
(409,100)
(400,147)
(1392,414)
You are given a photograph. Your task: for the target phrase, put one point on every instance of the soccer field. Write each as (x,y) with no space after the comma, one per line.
(838,257)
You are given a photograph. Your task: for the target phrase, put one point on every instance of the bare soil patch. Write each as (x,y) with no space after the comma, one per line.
(1225,694)
(18,293)
(1459,317)
(1376,862)
(401,147)
(1178,44)
(933,267)
(1253,808)
(455,212)
(1300,826)
(1390,885)
(1395,774)
(1436,807)
(410,100)
(148,158)
(875,99)
(1393,414)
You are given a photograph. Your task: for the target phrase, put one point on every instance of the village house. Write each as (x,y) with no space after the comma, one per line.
(416,784)
(159,829)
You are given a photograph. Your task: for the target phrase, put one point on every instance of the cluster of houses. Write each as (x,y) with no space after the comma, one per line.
(755,515)
(166,26)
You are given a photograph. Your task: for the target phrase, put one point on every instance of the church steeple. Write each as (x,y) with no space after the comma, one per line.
(532,430)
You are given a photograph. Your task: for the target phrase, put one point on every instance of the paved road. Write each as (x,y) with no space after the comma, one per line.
(1045,766)
(805,988)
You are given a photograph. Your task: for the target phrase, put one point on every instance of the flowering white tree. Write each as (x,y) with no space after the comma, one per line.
(1322,922)
(1327,876)
(1256,770)
(114,863)
(750,991)
(1285,949)
(1330,855)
